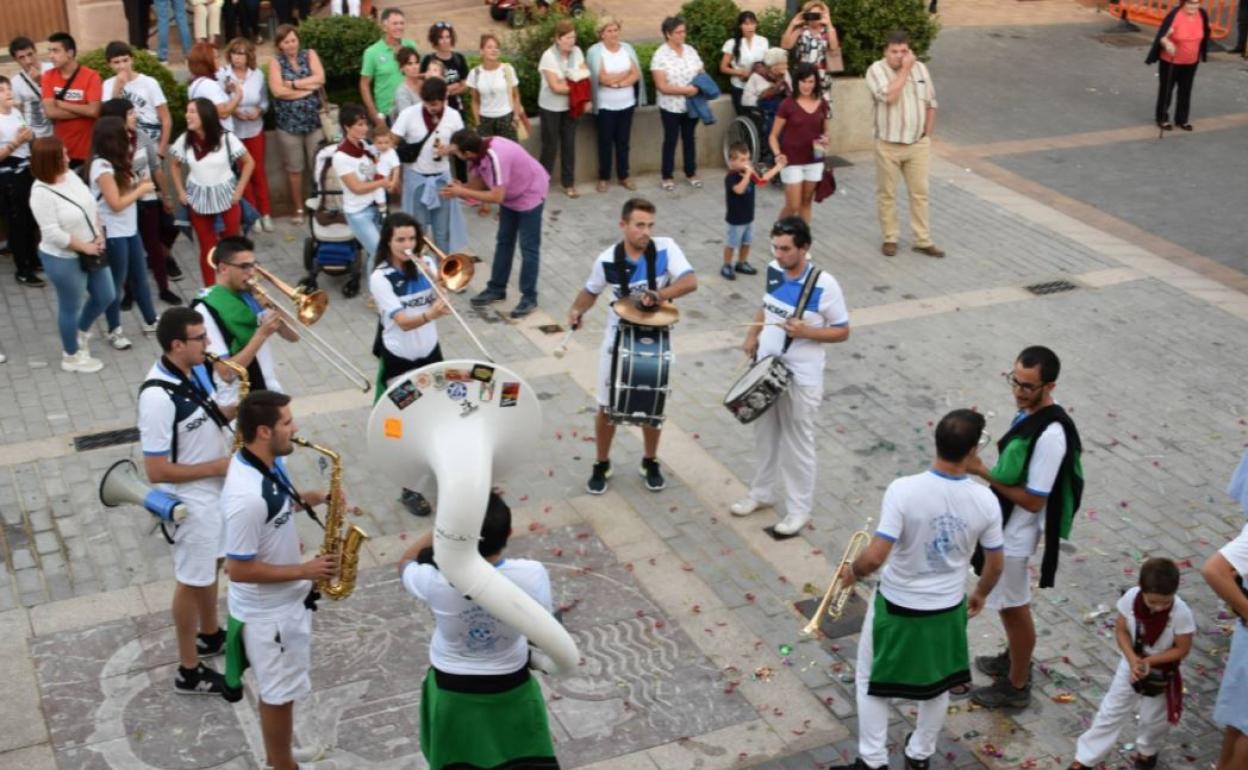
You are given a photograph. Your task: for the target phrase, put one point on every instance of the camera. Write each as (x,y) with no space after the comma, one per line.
(812,16)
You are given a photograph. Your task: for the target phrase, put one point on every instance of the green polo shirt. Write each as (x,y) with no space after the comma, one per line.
(380,65)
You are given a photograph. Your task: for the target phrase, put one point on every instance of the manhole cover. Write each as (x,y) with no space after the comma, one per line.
(105,439)
(1051,287)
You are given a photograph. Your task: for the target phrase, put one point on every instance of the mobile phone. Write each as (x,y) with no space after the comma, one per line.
(812,16)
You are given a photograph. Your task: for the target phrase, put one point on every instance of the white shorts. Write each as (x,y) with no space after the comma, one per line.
(1014,587)
(280,653)
(808,172)
(197,545)
(604,373)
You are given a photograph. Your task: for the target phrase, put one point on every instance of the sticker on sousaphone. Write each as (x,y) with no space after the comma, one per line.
(439,379)
(423,380)
(404,395)
(483,373)
(510,394)
(457,375)
(457,391)
(393,427)
(486,394)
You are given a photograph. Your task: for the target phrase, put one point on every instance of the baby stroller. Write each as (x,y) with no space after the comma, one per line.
(331,248)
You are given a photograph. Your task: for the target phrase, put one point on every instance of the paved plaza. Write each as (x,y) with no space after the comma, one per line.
(692,650)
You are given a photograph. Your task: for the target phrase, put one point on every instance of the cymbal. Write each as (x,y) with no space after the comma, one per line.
(665,315)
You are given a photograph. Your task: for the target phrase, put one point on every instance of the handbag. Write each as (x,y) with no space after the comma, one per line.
(834,61)
(88,262)
(329,118)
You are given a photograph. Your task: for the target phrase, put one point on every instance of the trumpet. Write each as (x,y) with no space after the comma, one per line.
(837,595)
(455,271)
(244,387)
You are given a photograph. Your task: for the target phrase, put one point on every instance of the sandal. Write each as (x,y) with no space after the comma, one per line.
(668,185)
(297,219)
(602,186)
(695,182)
(628,184)
(571,192)
(483,210)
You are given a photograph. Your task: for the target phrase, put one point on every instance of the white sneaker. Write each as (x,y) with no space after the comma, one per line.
(3,358)
(81,362)
(266,224)
(84,340)
(311,753)
(792,524)
(746,505)
(149,328)
(118,339)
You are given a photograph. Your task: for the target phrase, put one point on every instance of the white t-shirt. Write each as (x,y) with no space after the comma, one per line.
(411,126)
(670,263)
(826,307)
(264,356)
(28,98)
(9,126)
(1181,621)
(117,224)
(466,638)
(200,440)
(1023,531)
(365,169)
(493,89)
(1236,552)
(145,94)
(934,522)
(210,89)
(551,61)
(386,162)
(756,86)
(680,69)
(617,63)
(255,96)
(751,53)
(395,293)
(258,526)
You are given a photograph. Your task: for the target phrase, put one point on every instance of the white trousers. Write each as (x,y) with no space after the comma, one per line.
(1117,707)
(207,17)
(784,438)
(873,711)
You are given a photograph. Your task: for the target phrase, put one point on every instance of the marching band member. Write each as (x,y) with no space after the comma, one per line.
(785,434)
(407,307)
(480,707)
(238,326)
(913,643)
(1038,481)
(663,274)
(270,596)
(186,451)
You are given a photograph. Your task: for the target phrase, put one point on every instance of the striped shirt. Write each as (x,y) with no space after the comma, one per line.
(902,121)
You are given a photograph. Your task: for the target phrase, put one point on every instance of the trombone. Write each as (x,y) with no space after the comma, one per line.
(837,595)
(455,271)
(309,307)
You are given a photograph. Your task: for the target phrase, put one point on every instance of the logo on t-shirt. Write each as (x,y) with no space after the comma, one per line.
(72,95)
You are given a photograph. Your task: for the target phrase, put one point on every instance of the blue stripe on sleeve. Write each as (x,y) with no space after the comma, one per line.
(1031,491)
(161,453)
(240,556)
(884,536)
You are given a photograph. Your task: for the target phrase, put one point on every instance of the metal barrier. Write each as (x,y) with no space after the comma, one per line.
(1153,12)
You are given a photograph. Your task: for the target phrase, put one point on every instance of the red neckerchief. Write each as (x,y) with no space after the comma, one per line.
(199,144)
(1149,625)
(355,151)
(430,122)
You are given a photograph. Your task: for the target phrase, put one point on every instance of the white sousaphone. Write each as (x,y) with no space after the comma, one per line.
(467,422)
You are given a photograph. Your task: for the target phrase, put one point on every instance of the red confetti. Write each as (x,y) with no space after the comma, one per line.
(714,520)
(696,609)
(534,526)
(557,552)
(749,597)
(659,624)
(641,613)
(550,472)
(783,579)
(672,509)
(731,687)
(547,509)
(696,437)
(402,535)
(687,567)
(558,435)
(523,498)
(651,561)
(1123,504)
(817,552)
(629,566)
(582,535)
(573,434)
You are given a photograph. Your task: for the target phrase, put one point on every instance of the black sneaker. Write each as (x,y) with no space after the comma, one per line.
(169,298)
(995,666)
(486,297)
(208,645)
(175,272)
(914,764)
(1002,694)
(1142,762)
(857,764)
(200,680)
(525,307)
(415,503)
(30,280)
(745,268)
(650,472)
(597,483)
(726,273)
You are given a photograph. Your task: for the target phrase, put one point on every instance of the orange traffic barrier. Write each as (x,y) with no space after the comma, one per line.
(1153,12)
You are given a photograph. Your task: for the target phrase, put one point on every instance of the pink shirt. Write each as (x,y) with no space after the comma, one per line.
(1186,32)
(508,165)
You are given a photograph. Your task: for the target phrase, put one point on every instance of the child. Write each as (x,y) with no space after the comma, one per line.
(388,164)
(1154,631)
(739,193)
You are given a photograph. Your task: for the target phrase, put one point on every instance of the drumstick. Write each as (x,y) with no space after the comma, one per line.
(562,350)
(763,323)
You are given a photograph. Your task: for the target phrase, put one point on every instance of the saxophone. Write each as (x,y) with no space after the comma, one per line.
(243,387)
(345,548)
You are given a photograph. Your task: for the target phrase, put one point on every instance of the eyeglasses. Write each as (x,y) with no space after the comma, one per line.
(199,338)
(242,265)
(1025,387)
(443,25)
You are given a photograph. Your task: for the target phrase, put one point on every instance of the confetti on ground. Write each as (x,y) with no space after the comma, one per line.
(1064,697)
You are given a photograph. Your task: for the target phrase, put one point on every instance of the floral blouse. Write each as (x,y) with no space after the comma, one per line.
(297,116)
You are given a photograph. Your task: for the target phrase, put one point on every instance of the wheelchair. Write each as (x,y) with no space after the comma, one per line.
(750,128)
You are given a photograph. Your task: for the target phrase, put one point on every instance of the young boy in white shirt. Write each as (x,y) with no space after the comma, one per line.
(1154,630)
(388,164)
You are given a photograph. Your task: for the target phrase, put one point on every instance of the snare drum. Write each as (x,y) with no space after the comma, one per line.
(641,363)
(757,389)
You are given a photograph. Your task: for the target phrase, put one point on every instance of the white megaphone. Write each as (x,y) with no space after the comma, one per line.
(467,422)
(121,485)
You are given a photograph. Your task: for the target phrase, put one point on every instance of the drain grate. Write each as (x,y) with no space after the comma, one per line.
(1051,287)
(105,439)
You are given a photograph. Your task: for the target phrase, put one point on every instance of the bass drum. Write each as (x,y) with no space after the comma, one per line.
(758,389)
(641,363)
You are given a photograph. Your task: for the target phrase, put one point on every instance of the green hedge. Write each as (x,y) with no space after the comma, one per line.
(864,24)
(148,64)
(339,41)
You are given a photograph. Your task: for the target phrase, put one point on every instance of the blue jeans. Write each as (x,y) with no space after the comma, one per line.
(162,27)
(128,261)
(528,225)
(80,297)
(366,227)
(614,129)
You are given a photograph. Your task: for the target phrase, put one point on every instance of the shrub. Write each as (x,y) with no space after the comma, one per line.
(526,46)
(147,63)
(340,42)
(708,24)
(864,24)
(772,23)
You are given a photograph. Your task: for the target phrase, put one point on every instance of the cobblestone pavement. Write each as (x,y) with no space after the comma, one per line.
(684,614)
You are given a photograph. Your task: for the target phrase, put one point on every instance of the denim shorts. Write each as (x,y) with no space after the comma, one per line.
(736,236)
